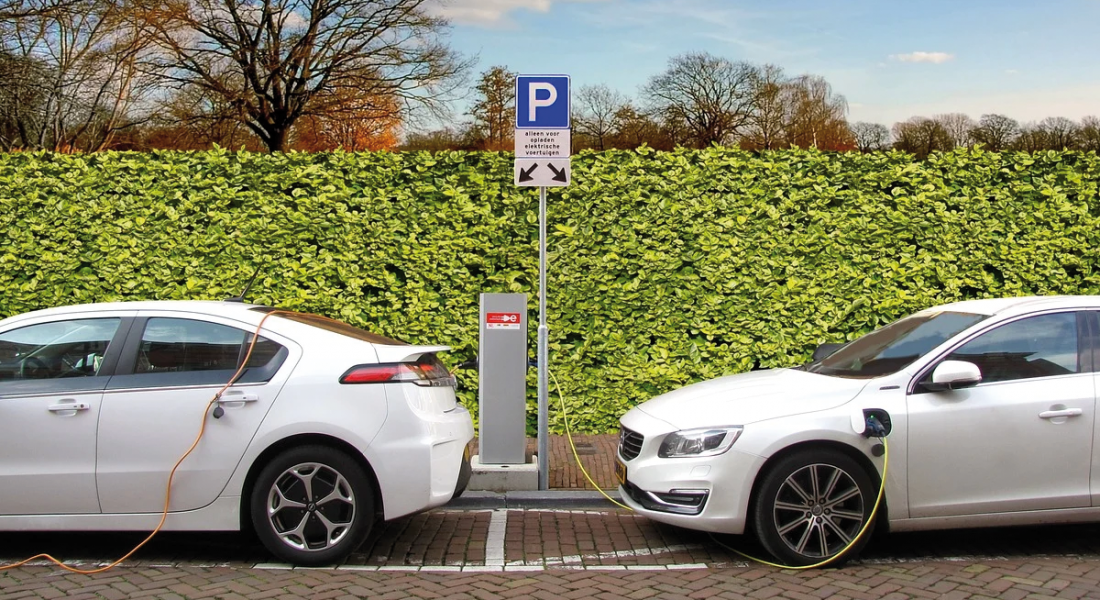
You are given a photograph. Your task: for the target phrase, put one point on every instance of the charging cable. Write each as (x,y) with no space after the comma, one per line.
(171,474)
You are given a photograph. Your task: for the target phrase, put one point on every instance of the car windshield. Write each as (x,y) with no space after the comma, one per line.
(894,347)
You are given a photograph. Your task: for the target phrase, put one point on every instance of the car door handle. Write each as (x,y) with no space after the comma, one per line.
(64,406)
(235,398)
(1066,412)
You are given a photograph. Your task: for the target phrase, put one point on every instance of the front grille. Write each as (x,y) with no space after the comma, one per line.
(630,444)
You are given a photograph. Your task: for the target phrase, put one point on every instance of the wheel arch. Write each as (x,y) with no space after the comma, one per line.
(881,518)
(294,441)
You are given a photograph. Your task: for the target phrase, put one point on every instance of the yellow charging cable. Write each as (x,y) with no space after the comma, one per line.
(569,435)
(863,530)
(171,474)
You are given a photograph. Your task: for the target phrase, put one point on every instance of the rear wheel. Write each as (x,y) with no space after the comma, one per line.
(812,505)
(312,506)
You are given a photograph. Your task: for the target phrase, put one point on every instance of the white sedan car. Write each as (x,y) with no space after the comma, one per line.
(326,430)
(989,407)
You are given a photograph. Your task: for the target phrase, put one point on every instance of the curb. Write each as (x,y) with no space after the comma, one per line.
(551,499)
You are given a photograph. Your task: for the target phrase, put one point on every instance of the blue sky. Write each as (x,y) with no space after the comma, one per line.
(890,59)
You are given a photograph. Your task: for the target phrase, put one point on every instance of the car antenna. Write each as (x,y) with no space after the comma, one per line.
(247,287)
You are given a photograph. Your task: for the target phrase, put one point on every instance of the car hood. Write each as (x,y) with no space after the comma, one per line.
(750,397)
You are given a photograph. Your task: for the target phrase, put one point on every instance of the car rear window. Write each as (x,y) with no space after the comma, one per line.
(333,325)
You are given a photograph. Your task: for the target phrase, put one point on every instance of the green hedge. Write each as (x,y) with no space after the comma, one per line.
(665,268)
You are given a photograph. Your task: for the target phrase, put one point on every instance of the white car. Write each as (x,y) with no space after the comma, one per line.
(989,407)
(328,429)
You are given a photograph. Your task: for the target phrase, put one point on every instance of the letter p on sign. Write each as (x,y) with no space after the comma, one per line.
(533,98)
(542,101)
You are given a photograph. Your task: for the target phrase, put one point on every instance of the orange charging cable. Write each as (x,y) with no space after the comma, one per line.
(171,474)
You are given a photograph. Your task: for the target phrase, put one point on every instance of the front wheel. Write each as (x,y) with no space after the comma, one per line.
(812,505)
(312,506)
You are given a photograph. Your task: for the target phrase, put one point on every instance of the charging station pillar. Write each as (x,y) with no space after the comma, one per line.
(502,379)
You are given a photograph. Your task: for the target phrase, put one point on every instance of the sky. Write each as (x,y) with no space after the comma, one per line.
(891,60)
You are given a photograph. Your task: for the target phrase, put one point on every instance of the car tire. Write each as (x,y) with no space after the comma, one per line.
(312,506)
(811,505)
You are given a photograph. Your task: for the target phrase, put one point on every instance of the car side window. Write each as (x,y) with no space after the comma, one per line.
(184,345)
(1041,346)
(60,349)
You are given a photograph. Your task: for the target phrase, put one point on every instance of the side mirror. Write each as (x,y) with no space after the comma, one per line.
(825,350)
(954,375)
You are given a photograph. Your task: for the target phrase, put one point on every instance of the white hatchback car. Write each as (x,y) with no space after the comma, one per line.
(989,407)
(328,428)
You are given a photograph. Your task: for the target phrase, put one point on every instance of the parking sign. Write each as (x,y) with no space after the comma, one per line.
(542,101)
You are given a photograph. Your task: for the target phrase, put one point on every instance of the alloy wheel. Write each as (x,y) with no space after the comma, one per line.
(311,506)
(818,510)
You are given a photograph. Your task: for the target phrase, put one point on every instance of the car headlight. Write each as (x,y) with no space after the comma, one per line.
(711,441)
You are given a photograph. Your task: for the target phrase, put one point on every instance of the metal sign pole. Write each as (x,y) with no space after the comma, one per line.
(543,352)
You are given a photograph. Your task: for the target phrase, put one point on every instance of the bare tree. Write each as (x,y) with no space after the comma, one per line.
(817,115)
(276,61)
(995,132)
(1088,136)
(921,136)
(771,110)
(958,126)
(1060,133)
(597,106)
(870,137)
(494,111)
(82,58)
(712,96)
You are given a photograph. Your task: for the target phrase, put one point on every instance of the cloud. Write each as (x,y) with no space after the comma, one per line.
(489,13)
(924,57)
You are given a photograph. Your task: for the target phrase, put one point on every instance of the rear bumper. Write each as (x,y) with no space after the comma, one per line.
(420,457)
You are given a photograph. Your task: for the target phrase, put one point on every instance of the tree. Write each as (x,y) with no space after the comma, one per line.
(870,137)
(1088,136)
(193,118)
(921,136)
(1060,133)
(438,140)
(369,128)
(595,121)
(277,61)
(771,111)
(958,127)
(494,112)
(995,132)
(817,115)
(82,80)
(712,96)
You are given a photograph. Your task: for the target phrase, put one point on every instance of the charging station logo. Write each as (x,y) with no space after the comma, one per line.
(502,320)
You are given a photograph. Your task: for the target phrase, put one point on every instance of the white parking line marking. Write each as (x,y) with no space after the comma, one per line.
(494,543)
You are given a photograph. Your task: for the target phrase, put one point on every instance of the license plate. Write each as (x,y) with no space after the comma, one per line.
(620,471)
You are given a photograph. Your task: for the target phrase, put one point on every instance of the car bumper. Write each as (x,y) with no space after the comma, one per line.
(420,456)
(706,494)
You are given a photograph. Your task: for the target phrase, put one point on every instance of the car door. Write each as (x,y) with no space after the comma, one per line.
(1019,440)
(172,367)
(52,376)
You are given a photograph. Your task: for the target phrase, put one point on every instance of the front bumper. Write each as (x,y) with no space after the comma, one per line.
(707,494)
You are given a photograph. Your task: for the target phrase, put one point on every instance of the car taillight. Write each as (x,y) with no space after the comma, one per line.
(427,371)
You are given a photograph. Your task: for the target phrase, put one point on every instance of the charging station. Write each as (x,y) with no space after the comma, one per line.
(501,464)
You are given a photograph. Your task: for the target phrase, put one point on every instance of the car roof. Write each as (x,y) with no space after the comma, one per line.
(209,307)
(1021,304)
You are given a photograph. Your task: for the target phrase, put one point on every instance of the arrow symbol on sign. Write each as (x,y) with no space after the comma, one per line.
(558,175)
(525,175)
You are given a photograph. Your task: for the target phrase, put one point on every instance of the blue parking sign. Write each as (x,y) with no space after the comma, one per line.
(542,101)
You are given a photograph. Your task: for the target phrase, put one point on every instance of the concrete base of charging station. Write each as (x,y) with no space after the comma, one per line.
(504,478)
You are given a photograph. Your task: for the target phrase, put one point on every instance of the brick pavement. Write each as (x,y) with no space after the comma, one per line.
(1070,577)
